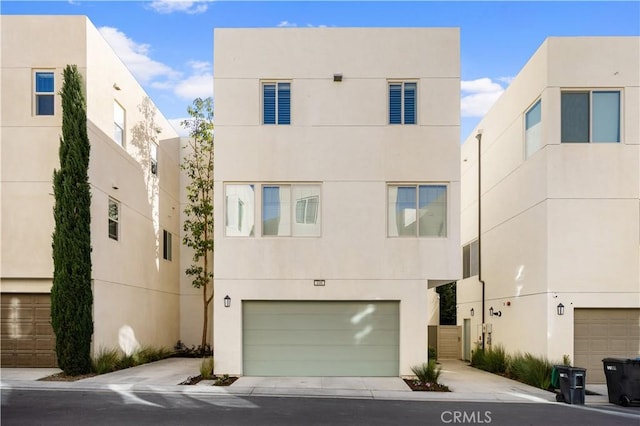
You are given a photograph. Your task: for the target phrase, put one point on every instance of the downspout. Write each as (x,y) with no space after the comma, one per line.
(479,138)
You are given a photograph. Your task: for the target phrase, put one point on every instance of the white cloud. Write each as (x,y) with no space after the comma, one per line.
(171,6)
(199,84)
(136,57)
(286,24)
(478,96)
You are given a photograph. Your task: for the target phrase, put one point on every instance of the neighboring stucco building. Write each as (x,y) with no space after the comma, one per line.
(336,196)
(134,176)
(560,210)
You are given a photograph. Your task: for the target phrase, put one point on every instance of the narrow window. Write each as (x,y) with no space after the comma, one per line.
(153,158)
(417,210)
(470,259)
(276,103)
(44,94)
(118,121)
(239,210)
(402,103)
(114,219)
(590,116)
(166,244)
(533,129)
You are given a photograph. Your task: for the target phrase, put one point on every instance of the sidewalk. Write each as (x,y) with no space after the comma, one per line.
(465,382)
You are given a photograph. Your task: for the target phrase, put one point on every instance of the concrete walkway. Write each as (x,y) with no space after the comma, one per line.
(466,383)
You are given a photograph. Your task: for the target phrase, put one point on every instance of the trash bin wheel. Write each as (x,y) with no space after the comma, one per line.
(625,400)
(559,397)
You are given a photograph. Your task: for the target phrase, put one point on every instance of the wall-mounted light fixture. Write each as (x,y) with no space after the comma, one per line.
(318,283)
(114,185)
(472,312)
(337,77)
(227,301)
(493,313)
(560,309)
(115,86)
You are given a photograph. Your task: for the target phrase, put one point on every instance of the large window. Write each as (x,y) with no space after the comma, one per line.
(470,259)
(590,116)
(114,219)
(533,129)
(118,121)
(44,93)
(239,210)
(402,103)
(291,210)
(276,103)
(417,210)
(167,241)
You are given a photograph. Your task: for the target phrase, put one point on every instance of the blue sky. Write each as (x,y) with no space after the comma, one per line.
(168,44)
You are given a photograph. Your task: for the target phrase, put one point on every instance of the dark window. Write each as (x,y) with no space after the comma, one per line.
(44,93)
(166,245)
(276,103)
(402,103)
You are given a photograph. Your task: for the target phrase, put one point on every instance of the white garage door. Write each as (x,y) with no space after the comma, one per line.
(604,333)
(311,338)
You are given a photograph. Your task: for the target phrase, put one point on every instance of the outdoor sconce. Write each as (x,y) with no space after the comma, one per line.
(560,309)
(227,301)
(337,77)
(115,86)
(472,312)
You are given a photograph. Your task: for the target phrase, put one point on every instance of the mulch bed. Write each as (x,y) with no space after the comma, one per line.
(62,377)
(418,386)
(219,381)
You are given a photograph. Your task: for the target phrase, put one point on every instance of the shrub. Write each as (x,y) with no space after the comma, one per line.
(477,358)
(432,353)
(106,361)
(428,372)
(148,354)
(566,360)
(532,370)
(206,368)
(495,360)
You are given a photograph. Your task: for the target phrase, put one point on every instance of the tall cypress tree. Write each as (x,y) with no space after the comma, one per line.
(71,295)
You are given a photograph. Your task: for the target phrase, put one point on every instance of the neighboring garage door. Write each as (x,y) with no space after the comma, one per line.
(603,333)
(27,335)
(320,338)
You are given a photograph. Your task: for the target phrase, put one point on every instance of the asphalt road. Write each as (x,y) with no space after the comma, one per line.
(66,407)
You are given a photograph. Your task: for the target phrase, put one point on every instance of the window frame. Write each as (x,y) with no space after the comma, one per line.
(117,126)
(590,92)
(277,105)
(153,158)
(241,209)
(417,186)
(403,102)
(530,109)
(293,205)
(113,220)
(167,245)
(38,94)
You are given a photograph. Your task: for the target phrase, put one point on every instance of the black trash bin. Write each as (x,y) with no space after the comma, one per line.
(623,380)
(572,381)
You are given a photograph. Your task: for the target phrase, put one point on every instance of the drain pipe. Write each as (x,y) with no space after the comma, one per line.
(479,138)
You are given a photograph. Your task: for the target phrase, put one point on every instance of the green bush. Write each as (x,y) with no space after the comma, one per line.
(477,358)
(106,361)
(532,370)
(148,354)
(428,372)
(432,353)
(206,368)
(495,360)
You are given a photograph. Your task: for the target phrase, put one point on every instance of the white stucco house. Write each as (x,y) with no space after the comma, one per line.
(560,208)
(336,196)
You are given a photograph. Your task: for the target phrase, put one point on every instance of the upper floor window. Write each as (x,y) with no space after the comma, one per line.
(533,129)
(276,103)
(118,121)
(402,103)
(417,210)
(44,93)
(239,210)
(291,210)
(153,158)
(166,245)
(590,116)
(470,259)
(114,219)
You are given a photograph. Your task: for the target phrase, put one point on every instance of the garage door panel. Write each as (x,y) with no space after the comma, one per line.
(328,337)
(320,338)
(604,333)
